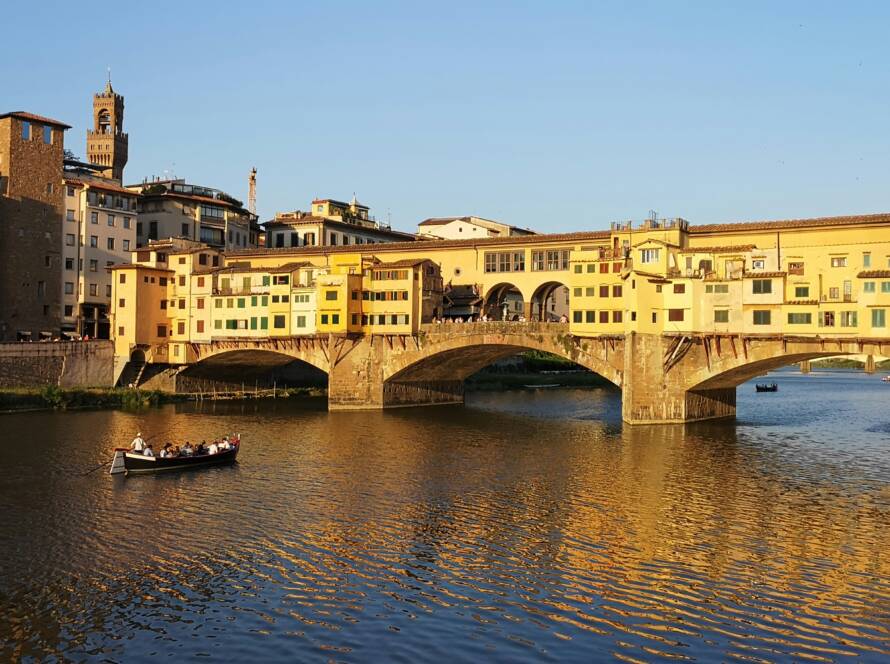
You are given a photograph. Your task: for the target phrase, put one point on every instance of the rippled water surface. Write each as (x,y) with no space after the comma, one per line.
(523,526)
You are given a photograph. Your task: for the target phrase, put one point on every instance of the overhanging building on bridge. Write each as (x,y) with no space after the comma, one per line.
(659,308)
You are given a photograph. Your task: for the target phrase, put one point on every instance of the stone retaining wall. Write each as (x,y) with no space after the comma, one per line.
(65,364)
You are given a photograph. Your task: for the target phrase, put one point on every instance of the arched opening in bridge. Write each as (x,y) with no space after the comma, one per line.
(249,370)
(445,376)
(550,302)
(733,390)
(137,356)
(504,301)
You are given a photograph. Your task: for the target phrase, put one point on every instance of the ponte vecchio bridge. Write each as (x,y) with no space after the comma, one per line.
(676,316)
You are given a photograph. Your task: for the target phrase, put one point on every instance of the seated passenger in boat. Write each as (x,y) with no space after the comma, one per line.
(187,449)
(200,449)
(148,451)
(213,449)
(225,446)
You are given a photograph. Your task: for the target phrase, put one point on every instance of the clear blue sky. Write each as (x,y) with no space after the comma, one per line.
(552,115)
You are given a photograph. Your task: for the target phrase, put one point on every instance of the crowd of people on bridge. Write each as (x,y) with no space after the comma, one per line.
(485,318)
(170,451)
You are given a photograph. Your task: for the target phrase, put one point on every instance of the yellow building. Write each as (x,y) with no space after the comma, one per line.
(802,278)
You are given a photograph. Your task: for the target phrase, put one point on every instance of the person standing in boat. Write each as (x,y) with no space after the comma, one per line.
(138,444)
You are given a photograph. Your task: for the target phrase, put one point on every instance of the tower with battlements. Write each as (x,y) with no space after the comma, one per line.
(106,142)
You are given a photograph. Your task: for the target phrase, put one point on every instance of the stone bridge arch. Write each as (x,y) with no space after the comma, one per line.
(230,363)
(684,378)
(434,370)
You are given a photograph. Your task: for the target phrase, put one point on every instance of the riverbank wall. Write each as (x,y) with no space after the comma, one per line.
(65,364)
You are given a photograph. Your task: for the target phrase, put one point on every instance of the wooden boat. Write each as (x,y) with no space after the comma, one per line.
(885,379)
(128,462)
(767,387)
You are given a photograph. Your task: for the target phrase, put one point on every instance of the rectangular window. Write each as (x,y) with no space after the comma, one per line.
(69,239)
(589,316)
(839,261)
(330,295)
(241,302)
(795,267)
(866,260)
(800,319)
(578,268)
(758,264)
(604,291)
(762,286)
(868,287)
(826,319)
(604,317)
(576,292)
(162,330)
(26,131)
(199,303)
(69,288)
(253,322)
(94,217)
(324,319)
(577,316)
(110,243)
(69,263)
(709,288)
(47,135)
(217,325)
(617,290)
(878,317)
(94,265)
(69,215)
(111,220)
(199,326)
(834,293)
(590,291)
(604,268)
(849,319)
(301,321)
(676,315)
(885,286)
(679,288)
(121,302)
(591,267)
(278,322)
(802,292)
(762,316)
(264,323)
(617,316)
(649,255)
(180,327)
(94,241)
(721,315)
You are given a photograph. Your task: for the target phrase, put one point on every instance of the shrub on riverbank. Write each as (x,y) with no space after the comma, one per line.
(57,398)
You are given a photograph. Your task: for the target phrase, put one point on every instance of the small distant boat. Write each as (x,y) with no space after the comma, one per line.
(767,387)
(885,379)
(534,387)
(125,461)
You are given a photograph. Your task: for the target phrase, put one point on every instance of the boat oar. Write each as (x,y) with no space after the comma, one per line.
(104,463)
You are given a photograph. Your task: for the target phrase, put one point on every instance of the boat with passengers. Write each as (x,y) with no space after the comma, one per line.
(141,459)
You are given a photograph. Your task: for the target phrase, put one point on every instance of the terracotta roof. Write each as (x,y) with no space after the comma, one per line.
(406,262)
(441,221)
(802,302)
(650,275)
(763,275)
(313,220)
(429,244)
(31,117)
(109,186)
(850,220)
(729,249)
(870,274)
(122,266)
(286,267)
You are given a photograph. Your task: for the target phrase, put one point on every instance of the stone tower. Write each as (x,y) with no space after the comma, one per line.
(106,141)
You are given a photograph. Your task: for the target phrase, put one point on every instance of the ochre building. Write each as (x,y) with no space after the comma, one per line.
(674,314)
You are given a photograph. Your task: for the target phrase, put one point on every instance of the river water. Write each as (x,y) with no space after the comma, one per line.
(524,526)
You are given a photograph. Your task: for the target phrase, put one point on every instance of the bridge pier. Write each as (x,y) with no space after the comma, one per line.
(870,364)
(655,382)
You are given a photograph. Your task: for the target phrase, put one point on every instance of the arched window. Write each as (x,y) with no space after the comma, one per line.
(104,122)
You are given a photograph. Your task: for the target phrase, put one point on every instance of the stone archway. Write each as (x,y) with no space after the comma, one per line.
(550,302)
(504,302)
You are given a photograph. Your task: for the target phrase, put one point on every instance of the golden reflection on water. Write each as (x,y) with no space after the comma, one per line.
(469,532)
